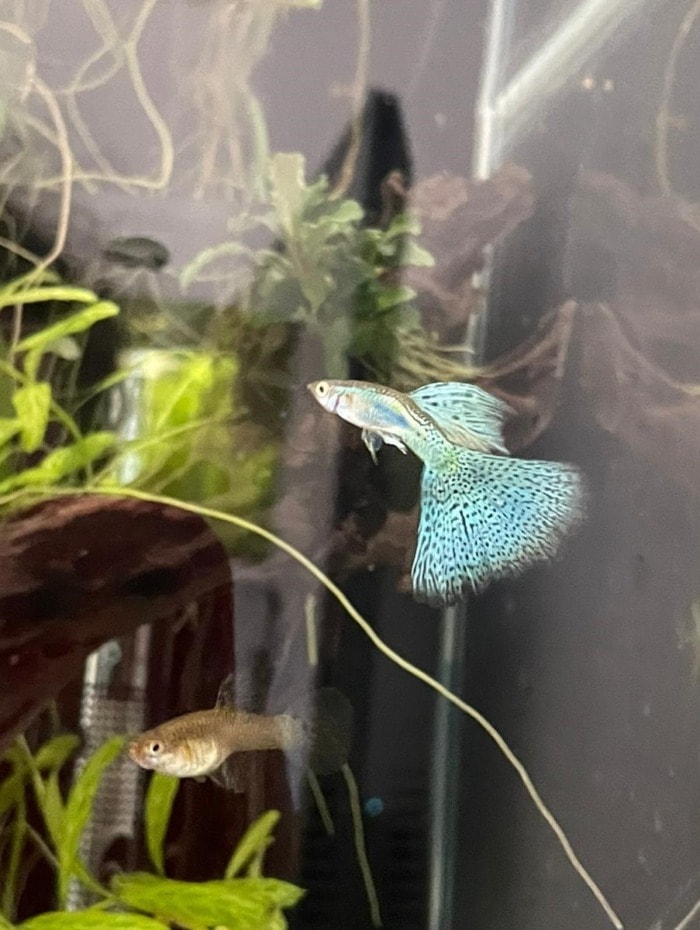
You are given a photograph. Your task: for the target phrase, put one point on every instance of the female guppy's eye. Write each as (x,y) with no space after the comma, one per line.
(155,748)
(321,388)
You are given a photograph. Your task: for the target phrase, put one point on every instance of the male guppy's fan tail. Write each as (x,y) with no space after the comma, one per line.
(487,517)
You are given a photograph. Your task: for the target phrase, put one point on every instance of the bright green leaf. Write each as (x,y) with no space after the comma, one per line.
(414,254)
(237,903)
(255,840)
(78,808)
(47,276)
(33,404)
(56,751)
(92,919)
(66,348)
(39,342)
(160,797)
(40,295)
(52,808)
(62,462)
(389,297)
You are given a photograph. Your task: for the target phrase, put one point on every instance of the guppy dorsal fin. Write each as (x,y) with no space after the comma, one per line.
(466,414)
(226,696)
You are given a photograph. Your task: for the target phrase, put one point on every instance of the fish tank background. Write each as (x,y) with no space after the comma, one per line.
(565,237)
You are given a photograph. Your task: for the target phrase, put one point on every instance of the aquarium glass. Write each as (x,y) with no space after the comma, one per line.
(349,442)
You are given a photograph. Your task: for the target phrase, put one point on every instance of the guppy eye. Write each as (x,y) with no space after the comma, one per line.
(321,388)
(155,748)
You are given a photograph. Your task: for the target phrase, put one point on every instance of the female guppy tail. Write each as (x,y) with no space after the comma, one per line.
(487,517)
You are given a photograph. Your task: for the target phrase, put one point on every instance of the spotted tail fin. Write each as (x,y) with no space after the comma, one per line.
(488,517)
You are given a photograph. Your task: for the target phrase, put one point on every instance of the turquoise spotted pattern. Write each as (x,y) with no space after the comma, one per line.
(485,517)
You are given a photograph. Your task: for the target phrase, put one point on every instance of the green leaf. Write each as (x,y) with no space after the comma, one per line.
(343,212)
(405,224)
(66,348)
(92,919)
(254,841)
(40,295)
(39,342)
(32,403)
(62,462)
(9,427)
(288,188)
(157,807)
(79,807)
(237,903)
(53,755)
(56,751)
(388,297)
(53,810)
(414,254)
(47,276)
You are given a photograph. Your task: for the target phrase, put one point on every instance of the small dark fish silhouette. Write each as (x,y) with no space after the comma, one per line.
(136,252)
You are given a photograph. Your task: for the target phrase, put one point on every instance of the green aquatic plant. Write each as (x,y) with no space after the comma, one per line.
(242,900)
(192,438)
(328,271)
(30,409)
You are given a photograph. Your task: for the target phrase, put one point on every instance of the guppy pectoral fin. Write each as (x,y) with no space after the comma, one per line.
(373,441)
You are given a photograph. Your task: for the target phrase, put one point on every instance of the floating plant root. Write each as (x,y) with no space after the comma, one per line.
(320,802)
(361,846)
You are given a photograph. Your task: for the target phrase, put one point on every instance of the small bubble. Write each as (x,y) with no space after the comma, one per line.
(374,807)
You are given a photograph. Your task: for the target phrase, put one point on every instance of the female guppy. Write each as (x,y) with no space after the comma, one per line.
(482,516)
(200,744)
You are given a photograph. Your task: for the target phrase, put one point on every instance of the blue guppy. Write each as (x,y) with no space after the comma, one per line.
(483,515)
